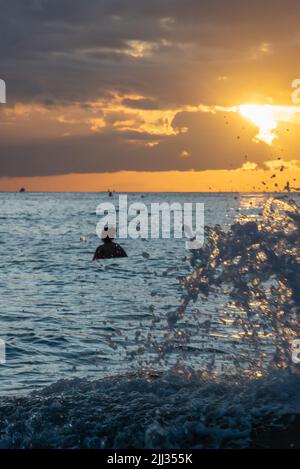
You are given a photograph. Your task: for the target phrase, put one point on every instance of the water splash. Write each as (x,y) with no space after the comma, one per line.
(252,273)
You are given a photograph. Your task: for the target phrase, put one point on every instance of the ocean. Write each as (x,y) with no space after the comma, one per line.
(166,348)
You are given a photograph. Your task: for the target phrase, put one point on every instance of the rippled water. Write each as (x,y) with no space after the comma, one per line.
(63,316)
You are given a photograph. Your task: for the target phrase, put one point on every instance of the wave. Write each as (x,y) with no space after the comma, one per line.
(172,410)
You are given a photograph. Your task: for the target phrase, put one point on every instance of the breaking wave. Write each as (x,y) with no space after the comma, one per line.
(174,410)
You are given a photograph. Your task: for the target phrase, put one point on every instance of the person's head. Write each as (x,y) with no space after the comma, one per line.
(108,234)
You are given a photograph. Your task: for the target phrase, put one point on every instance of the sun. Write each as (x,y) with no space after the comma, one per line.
(267,117)
(263,116)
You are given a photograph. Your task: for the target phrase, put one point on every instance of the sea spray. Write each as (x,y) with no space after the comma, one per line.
(252,272)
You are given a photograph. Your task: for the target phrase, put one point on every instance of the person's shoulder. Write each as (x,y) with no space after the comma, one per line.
(120,250)
(99,253)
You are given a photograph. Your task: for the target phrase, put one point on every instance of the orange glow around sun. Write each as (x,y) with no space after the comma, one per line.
(266,118)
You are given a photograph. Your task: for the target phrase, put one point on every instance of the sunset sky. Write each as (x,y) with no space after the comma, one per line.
(150,95)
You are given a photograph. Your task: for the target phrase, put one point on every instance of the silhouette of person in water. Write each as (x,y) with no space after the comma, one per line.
(109,249)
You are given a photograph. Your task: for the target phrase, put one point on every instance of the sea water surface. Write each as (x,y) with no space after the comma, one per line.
(59,310)
(118,328)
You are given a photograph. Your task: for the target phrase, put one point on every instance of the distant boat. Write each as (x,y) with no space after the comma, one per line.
(22,189)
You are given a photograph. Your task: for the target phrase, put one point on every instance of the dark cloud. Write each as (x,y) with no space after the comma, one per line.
(148,104)
(71,48)
(212,145)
